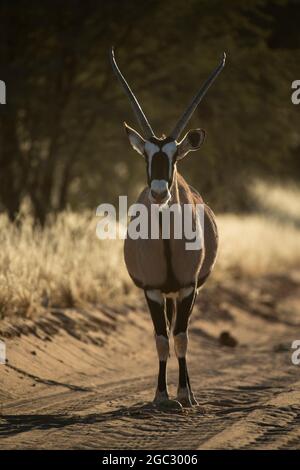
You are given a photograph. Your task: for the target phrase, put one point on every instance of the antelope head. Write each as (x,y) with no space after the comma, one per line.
(162,154)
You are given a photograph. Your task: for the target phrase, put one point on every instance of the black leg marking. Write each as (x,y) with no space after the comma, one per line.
(184,379)
(188,378)
(162,376)
(184,310)
(158,316)
(183,376)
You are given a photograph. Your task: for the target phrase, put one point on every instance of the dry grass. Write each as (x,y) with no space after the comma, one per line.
(266,242)
(278,200)
(63,265)
(66,264)
(255,245)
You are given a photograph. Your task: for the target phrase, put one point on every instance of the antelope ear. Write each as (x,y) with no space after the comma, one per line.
(191,141)
(136,140)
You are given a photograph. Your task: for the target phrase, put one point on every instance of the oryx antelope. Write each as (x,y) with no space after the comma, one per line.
(169,274)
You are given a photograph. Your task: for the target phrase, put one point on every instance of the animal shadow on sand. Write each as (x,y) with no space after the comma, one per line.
(15,424)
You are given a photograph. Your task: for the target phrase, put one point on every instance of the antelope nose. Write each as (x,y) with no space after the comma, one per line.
(159,195)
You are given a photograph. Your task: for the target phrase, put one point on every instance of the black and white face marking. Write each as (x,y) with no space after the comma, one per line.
(160,156)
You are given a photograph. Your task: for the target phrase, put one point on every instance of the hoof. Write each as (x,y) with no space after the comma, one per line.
(163,402)
(193,400)
(185,402)
(168,405)
(186,398)
(160,397)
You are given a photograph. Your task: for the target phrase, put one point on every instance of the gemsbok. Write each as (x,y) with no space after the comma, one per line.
(168,272)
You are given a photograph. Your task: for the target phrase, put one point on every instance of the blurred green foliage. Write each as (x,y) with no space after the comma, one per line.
(61,136)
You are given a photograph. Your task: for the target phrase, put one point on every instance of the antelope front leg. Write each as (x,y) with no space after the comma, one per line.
(156,304)
(185,305)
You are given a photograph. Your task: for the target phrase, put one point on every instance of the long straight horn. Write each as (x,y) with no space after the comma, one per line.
(190,110)
(143,121)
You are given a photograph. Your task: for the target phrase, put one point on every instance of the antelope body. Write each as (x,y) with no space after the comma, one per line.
(165,269)
(167,265)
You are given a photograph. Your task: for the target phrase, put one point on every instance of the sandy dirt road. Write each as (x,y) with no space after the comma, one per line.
(83,379)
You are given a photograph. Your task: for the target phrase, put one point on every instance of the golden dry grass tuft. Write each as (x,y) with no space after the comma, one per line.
(281,201)
(66,265)
(255,245)
(63,265)
(267,242)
